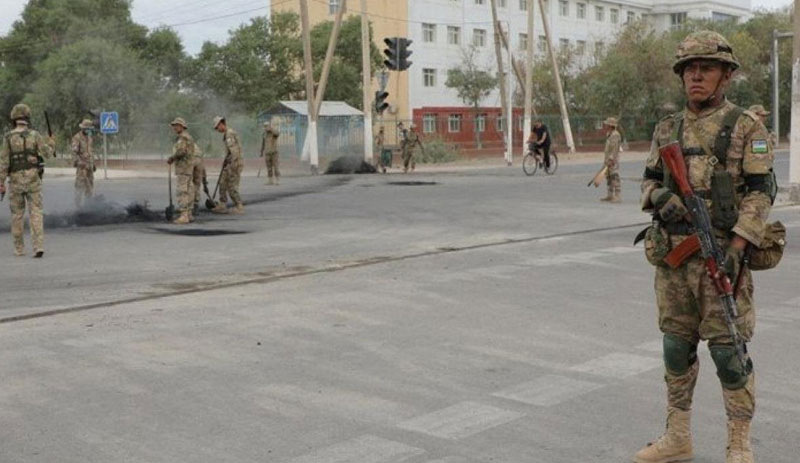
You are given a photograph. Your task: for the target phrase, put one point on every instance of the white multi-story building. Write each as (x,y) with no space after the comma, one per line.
(443,29)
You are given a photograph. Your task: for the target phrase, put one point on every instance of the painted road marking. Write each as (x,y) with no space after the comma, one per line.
(460,420)
(618,365)
(548,390)
(364,449)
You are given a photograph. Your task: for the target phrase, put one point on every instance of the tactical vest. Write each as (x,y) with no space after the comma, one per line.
(21,160)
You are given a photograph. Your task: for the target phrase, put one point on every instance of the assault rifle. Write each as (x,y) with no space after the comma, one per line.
(714,256)
(49,134)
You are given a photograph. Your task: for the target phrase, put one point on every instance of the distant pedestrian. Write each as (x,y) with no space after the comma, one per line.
(412,141)
(539,141)
(269,151)
(232,174)
(611,160)
(84,162)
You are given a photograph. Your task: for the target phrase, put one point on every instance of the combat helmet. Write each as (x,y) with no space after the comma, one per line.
(20,111)
(704,45)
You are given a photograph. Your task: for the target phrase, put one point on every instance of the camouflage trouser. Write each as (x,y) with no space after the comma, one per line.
(198,174)
(614,182)
(688,307)
(229,185)
(25,189)
(84,184)
(409,158)
(184,191)
(272,164)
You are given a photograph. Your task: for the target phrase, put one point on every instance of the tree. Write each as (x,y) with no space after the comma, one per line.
(471,83)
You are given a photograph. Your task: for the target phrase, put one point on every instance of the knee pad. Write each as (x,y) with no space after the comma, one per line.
(679,354)
(729,369)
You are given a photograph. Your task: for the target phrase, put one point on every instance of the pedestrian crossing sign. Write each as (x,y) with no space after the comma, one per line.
(109,122)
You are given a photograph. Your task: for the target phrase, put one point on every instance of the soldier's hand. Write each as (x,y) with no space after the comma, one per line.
(94,168)
(170,160)
(668,205)
(2,188)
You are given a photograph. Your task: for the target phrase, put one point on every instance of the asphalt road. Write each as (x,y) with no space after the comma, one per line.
(477,316)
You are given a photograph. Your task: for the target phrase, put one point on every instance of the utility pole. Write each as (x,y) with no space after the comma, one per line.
(776,102)
(326,65)
(526,129)
(366,82)
(559,88)
(794,146)
(500,69)
(311,133)
(509,116)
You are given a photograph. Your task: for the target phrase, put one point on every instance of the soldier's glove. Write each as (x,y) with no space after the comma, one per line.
(668,205)
(170,160)
(733,262)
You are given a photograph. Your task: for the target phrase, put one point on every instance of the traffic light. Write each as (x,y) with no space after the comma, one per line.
(380,101)
(397,53)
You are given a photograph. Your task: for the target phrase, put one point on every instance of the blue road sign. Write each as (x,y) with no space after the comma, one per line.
(109,122)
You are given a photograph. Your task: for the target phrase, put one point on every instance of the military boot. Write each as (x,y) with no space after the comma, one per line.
(675,445)
(19,252)
(739,448)
(607,198)
(220,208)
(269,181)
(238,209)
(615,199)
(183,219)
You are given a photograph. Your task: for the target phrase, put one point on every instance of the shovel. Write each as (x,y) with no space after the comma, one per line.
(170,211)
(210,203)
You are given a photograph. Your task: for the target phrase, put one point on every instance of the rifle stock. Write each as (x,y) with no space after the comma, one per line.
(672,156)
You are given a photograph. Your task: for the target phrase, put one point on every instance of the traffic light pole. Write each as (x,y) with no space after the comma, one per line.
(366,84)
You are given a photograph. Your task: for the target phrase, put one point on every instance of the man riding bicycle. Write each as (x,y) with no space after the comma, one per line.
(539,141)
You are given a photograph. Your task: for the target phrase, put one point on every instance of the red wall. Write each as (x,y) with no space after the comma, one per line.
(466,137)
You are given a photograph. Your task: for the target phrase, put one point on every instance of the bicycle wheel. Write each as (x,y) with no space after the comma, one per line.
(553,164)
(529,164)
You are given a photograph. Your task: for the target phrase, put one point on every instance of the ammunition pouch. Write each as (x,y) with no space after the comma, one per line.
(21,160)
(656,245)
(769,254)
(725,210)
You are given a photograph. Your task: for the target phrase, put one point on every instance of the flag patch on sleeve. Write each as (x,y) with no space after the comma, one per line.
(759,146)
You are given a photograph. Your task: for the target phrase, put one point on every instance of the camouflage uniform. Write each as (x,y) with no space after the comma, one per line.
(269,151)
(229,185)
(19,155)
(83,160)
(762,113)
(409,145)
(689,308)
(611,160)
(199,179)
(380,142)
(183,159)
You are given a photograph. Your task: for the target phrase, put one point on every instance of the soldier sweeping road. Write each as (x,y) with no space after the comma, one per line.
(23,150)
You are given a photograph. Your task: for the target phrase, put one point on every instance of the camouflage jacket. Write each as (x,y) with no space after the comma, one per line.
(613,142)
(183,153)
(749,159)
(82,151)
(269,142)
(233,148)
(21,149)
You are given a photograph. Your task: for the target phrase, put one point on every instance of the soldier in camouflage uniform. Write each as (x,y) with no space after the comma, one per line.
(232,175)
(22,150)
(611,160)
(184,160)
(409,148)
(84,162)
(199,178)
(762,114)
(728,160)
(269,151)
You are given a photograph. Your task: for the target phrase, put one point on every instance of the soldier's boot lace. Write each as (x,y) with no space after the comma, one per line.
(183,219)
(739,448)
(675,445)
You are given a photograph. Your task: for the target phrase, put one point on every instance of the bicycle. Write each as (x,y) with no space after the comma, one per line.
(534,160)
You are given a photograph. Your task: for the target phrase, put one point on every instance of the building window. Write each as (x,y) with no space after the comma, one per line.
(480,123)
(454,123)
(599,48)
(429,123)
(523,5)
(479,37)
(542,43)
(563,44)
(677,19)
(502,3)
(428,32)
(429,77)
(563,7)
(333,6)
(499,123)
(614,15)
(453,35)
(631,17)
(523,41)
(717,16)
(581,11)
(599,13)
(480,2)
(580,47)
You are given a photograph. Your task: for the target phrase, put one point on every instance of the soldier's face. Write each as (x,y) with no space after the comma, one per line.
(177,128)
(704,78)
